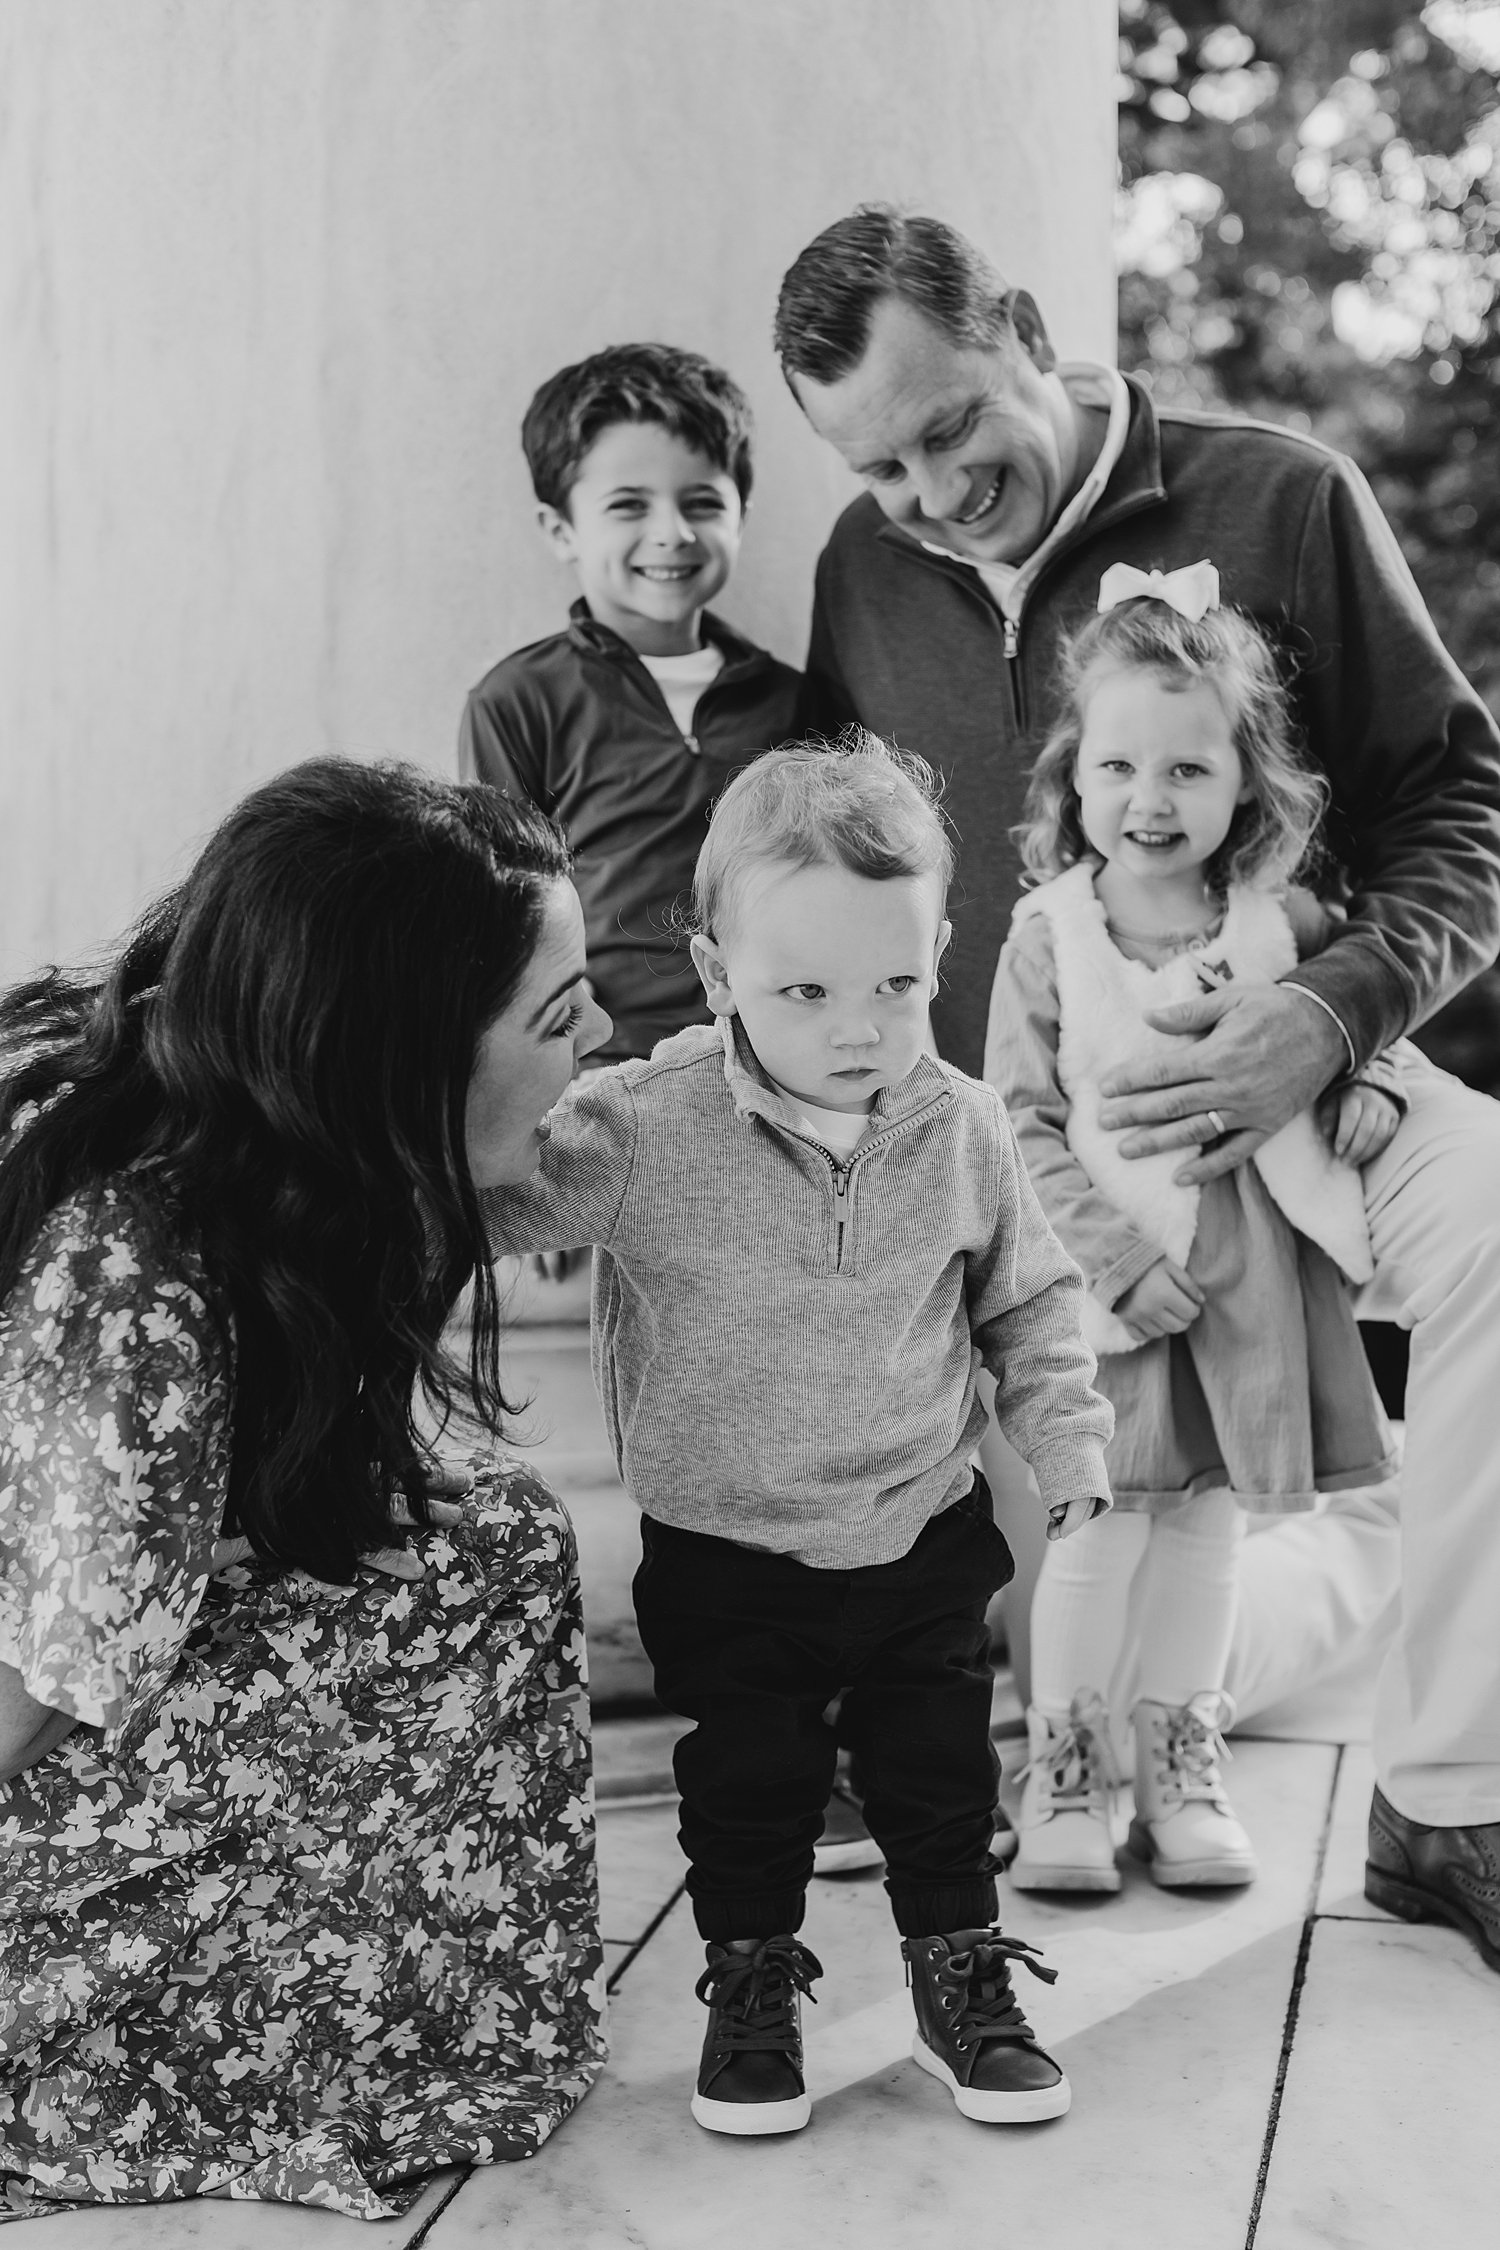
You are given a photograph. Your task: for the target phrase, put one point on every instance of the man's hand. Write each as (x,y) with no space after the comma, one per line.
(1253,1055)
(1070,1516)
(1163,1302)
(1360,1121)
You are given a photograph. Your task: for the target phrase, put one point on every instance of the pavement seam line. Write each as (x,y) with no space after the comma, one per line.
(636,1950)
(1293,2007)
(432,2218)
(647,1934)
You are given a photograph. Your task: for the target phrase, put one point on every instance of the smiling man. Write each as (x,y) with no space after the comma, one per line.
(1000,488)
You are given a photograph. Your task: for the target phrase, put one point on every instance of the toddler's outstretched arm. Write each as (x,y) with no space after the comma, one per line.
(574,1197)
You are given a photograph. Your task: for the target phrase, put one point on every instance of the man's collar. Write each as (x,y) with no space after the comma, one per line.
(1088,385)
(1136,482)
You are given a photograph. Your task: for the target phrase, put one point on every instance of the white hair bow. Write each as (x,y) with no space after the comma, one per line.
(1192,592)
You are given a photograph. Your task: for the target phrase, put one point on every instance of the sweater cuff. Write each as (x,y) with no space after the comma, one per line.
(1071,1468)
(1126,1271)
(1366,998)
(1333,1016)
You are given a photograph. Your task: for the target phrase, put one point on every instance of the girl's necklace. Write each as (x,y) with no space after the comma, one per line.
(1171,941)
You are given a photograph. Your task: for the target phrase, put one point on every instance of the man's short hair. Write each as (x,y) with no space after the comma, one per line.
(684,392)
(830,293)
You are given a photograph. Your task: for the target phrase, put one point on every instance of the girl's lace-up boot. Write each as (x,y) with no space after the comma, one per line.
(1184,1824)
(750,2079)
(1063,1823)
(970,2030)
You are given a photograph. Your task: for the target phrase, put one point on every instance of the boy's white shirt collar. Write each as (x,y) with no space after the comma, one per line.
(1088,383)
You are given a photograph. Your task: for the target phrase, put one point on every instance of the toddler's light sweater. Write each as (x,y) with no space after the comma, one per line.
(787,1348)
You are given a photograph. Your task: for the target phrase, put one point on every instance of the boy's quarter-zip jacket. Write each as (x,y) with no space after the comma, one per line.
(786,1347)
(577,725)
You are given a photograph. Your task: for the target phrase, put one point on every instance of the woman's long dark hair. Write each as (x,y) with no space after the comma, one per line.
(284,1044)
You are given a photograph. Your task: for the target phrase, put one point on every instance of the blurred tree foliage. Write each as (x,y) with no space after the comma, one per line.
(1310,233)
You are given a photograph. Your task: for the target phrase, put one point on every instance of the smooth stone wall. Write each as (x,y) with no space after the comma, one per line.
(277,281)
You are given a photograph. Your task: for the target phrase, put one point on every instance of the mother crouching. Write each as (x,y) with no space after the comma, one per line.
(297,1892)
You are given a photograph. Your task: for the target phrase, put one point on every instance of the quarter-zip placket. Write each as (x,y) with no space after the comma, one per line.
(841,1174)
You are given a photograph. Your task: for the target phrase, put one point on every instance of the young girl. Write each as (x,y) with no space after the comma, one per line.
(1168,813)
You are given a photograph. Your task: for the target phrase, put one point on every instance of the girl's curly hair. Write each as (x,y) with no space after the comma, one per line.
(1274,833)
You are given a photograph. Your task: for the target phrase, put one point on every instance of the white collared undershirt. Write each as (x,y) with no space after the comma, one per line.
(682,680)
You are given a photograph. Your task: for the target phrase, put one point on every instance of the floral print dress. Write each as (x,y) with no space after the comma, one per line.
(305,1905)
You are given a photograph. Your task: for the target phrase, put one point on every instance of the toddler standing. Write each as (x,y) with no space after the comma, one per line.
(811,1236)
(1168,812)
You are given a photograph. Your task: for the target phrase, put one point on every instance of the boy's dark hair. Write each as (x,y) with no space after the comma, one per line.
(681,390)
(830,292)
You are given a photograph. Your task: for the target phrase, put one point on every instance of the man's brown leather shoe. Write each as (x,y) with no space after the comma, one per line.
(1436,1874)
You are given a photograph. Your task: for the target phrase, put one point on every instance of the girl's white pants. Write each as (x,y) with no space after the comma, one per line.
(1317,1594)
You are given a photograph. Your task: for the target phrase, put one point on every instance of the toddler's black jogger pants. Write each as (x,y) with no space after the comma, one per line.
(754,1646)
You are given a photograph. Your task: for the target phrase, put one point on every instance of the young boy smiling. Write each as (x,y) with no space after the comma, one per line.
(626,726)
(812,1234)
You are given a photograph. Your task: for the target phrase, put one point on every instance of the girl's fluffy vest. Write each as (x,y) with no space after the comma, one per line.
(1102,999)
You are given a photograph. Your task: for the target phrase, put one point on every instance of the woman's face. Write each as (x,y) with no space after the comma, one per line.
(528,1054)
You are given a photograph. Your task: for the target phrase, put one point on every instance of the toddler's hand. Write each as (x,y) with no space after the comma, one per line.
(1360,1121)
(1163,1302)
(1066,1518)
(442,1477)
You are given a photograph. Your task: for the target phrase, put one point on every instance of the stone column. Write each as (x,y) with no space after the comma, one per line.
(276,281)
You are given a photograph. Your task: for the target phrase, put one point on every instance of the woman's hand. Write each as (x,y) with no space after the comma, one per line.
(1163,1302)
(1360,1121)
(1070,1516)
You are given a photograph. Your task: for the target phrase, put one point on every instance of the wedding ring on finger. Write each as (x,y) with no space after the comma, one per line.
(1216,1122)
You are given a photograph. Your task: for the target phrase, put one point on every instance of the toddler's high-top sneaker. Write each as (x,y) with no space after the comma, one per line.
(1063,1822)
(970,2030)
(750,2079)
(1184,1824)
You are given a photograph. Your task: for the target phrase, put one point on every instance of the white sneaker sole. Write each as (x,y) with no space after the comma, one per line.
(1028,2105)
(1225,1871)
(1031,1875)
(747,2119)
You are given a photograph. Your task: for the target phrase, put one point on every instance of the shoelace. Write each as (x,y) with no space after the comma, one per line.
(755,1993)
(1193,1743)
(1079,1762)
(990,2008)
